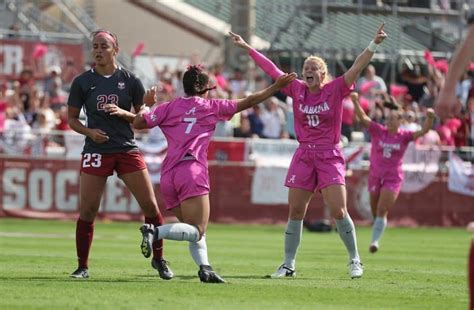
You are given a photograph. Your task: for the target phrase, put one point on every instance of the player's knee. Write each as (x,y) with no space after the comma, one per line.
(374,214)
(382,212)
(150,208)
(201,230)
(339,213)
(87,214)
(296,213)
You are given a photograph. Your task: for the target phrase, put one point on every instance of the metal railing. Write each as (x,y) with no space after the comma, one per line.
(33,142)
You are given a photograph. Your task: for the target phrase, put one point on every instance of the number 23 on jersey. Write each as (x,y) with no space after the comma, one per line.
(91,160)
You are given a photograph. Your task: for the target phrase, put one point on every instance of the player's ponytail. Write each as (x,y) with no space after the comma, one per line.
(391,103)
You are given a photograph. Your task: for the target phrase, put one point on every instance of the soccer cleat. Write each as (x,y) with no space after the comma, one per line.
(147,241)
(355,269)
(208,275)
(283,272)
(80,273)
(374,247)
(162,266)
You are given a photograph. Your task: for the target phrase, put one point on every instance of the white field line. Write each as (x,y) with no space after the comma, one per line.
(59,236)
(36,235)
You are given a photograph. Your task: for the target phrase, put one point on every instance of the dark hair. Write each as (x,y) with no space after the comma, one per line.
(195,81)
(391,104)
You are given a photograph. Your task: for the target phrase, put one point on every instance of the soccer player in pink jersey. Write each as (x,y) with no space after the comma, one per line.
(188,124)
(389,143)
(318,163)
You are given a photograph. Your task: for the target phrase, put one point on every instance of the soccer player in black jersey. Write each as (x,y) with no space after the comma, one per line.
(107,94)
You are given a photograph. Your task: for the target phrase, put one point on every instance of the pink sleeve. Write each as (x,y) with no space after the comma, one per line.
(225,109)
(340,85)
(155,116)
(266,64)
(374,129)
(274,72)
(408,136)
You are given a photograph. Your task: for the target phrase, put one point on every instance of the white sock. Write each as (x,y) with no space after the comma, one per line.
(378,228)
(177,231)
(293,234)
(346,230)
(198,251)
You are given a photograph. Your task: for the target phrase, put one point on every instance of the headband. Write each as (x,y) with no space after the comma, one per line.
(197,67)
(107,36)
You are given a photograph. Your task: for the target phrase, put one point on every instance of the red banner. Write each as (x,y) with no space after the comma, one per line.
(48,188)
(16,55)
(39,188)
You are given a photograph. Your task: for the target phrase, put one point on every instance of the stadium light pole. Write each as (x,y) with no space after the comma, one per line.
(243,22)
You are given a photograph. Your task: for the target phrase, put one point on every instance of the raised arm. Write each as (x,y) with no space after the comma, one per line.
(446,102)
(263,62)
(364,58)
(266,93)
(427,125)
(363,118)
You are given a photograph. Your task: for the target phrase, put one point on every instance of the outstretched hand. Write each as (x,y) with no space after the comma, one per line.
(380,35)
(114,109)
(150,97)
(285,79)
(430,113)
(237,39)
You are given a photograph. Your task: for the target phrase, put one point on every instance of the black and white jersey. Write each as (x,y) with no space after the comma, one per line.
(91,91)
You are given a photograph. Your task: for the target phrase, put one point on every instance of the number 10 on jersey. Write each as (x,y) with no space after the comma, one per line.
(313,120)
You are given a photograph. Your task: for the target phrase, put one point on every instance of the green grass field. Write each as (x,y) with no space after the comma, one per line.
(415,269)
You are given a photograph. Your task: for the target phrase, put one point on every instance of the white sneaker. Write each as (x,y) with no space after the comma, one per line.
(283,272)
(355,269)
(374,247)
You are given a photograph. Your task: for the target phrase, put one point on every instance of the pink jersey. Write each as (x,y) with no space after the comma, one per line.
(318,116)
(188,125)
(387,149)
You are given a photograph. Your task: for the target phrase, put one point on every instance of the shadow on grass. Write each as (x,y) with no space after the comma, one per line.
(68,279)
(260,277)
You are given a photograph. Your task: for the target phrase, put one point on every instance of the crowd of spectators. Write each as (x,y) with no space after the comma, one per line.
(38,106)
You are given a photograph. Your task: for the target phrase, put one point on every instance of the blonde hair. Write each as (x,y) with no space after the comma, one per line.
(322,65)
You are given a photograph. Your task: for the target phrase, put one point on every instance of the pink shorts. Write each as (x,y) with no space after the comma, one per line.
(105,164)
(187,179)
(389,180)
(313,170)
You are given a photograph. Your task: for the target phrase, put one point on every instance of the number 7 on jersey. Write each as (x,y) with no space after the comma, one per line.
(191,121)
